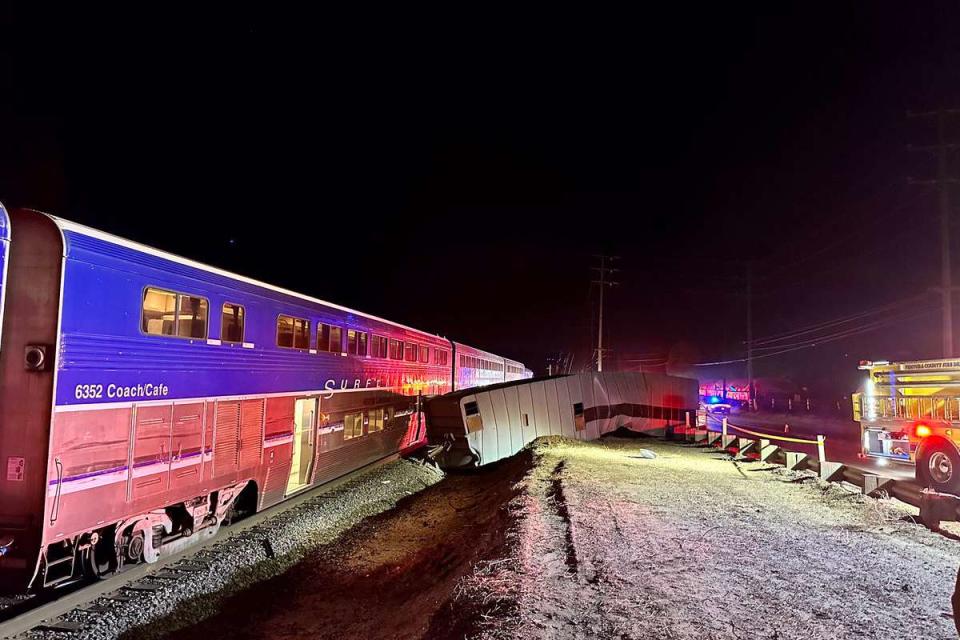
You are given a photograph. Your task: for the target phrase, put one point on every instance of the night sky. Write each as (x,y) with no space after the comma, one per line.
(457,171)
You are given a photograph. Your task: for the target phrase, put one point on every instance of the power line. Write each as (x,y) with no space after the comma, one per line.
(848,331)
(815,343)
(794,333)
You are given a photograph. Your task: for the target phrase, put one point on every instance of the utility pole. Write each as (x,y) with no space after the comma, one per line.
(750,331)
(942,148)
(604,283)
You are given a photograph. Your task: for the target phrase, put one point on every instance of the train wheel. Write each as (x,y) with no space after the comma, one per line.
(939,468)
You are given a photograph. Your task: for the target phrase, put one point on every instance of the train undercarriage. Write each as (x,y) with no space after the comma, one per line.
(146,537)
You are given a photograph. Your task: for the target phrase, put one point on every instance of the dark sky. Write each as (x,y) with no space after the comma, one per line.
(456,171)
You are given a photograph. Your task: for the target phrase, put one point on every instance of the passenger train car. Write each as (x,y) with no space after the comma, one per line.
(145,399)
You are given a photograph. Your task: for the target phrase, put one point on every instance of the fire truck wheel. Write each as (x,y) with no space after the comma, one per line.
(939,468)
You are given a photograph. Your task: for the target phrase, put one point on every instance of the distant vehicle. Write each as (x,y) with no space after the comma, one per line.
(716,405)
(909,413)
(145,398)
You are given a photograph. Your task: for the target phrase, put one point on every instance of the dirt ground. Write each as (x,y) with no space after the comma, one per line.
(592,540)
(393,576)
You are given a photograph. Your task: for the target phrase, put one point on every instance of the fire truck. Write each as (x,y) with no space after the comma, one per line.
(909,413)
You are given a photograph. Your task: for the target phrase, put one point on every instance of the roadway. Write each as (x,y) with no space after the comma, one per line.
(842,437)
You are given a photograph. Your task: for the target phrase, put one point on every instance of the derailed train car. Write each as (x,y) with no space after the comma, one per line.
(480,426)
(146,398)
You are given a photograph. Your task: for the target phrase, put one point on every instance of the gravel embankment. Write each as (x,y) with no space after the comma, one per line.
(242,559)
(691,545)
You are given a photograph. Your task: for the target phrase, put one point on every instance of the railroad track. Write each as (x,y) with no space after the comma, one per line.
(42,612)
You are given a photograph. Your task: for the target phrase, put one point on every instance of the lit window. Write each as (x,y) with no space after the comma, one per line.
(356,342)
(396,349)
(378,346)
(329,338)
(410,352)
(352,426)
(191,317)
(375,420)
(159,312)
(301,333)
(323,337)
(375,346)
(165,313)
(231,323)
(293,333)
(285,332)
(424,354)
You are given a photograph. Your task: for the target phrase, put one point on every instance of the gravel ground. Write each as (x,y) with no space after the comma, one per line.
(242,559)
(691,545)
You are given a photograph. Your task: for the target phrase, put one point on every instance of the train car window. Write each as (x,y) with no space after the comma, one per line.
(352,426)
(336,340)
(166,313)
(323,337)
(396,349)
(378,346)
(351,341)
(410,352)
(191,317)
(356,342)
(329,338)
(231,323)
(301,333)
(374,420)
(293,333)
(159,317)
(285,332)
(424,354)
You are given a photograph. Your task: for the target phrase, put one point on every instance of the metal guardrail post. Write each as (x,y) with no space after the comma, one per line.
(727,440)
(767,449)
(828,470)
(794,459)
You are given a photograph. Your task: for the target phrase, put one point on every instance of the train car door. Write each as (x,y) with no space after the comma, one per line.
(150,468)
(250,445)
(304,418)
(226,436)
(187,442)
